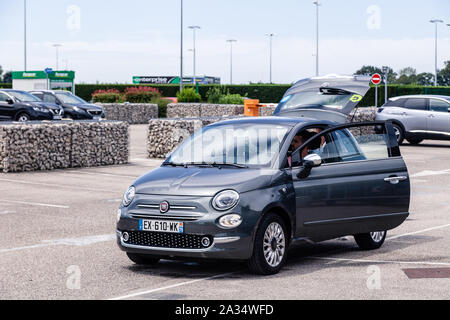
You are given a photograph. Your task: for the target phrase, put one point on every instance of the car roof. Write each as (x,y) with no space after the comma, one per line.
(274,120)
(423,96)
(50,91)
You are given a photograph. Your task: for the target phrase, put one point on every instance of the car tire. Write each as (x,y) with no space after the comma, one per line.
(371,240)
(270,246)
(23,117)
(399,133)
(414,141)
(143,259)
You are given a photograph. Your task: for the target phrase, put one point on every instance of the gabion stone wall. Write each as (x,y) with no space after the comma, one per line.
(199,110)
(266,111)
(164,135)
(363,114)
(133,113)
(56,145)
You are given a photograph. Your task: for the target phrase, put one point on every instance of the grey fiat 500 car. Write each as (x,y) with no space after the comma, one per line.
(247,188)
(418,117)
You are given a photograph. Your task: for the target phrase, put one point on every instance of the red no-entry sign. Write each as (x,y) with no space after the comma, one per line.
(376,79)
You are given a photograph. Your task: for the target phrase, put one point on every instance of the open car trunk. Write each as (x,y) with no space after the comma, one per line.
(329,98)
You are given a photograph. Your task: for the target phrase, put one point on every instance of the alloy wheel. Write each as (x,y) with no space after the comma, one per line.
(274,244)
(377,236)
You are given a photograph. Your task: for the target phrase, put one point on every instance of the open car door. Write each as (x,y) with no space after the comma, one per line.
(329,98)
(350,179)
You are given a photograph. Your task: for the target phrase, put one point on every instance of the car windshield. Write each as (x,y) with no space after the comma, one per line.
(24,96)
(69,98)
(314,98)
(233,144)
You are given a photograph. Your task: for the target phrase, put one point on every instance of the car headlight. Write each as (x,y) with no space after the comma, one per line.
(77,109)
(128,196)
(225,200)
(230,220)
(41,109)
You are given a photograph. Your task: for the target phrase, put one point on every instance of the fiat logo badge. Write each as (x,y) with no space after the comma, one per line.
(164,207)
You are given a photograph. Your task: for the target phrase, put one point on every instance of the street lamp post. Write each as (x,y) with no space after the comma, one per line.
(270,35)
(181,46)
(231,59)
(317,36)
(193,31)
(57,45)
(435,21)
(25,34)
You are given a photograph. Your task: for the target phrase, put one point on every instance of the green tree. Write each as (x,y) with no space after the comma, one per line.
(7,77)
(1,72)
(407,75)
(425,79)
(443,77)
(370,70)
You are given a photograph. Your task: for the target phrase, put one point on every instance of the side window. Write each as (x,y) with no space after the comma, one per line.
(37,94)
(49,98)
(416,104)
(3,97)
(353,144)
(439,105)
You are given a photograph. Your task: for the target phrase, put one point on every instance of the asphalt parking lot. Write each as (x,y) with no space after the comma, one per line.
(57,242)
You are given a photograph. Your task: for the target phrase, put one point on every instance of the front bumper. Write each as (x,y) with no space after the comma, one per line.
(82,115)
(221,247)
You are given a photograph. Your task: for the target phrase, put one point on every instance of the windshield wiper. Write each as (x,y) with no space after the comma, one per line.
(236,165)
(173,164)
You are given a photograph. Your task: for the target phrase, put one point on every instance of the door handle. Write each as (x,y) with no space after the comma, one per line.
(395,180)
(431,116)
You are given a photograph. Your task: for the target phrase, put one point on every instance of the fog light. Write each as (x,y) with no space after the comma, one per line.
(206,242)
(125,236)
(230,220)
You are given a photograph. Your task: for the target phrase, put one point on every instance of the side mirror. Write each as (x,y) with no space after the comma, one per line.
(10,101)
(312,160)
(309,162)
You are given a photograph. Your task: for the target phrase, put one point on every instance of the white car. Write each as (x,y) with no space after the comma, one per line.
(418,117)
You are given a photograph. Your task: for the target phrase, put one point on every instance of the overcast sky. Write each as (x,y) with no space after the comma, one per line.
(111,40)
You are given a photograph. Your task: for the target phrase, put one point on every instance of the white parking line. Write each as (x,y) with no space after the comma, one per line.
(430,173)
(382,261)
(73,172)
(7,212)
(419,231)
(57,185)
(81,241)
(36,204)
(132,295)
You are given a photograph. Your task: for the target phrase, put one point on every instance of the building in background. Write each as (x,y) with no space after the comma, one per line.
(40,80)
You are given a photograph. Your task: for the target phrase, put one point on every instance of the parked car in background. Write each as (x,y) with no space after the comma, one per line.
(418,117)
(74,107)
(17,105)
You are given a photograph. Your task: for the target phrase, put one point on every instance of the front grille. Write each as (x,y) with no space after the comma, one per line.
(95,112)
(167,240)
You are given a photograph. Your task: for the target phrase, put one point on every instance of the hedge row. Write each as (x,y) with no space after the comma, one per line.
(6,85)
(269,93)
(264,92)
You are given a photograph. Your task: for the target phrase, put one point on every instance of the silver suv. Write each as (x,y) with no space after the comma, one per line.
(418,117)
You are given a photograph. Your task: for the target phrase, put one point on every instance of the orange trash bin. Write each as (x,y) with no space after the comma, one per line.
(251,107)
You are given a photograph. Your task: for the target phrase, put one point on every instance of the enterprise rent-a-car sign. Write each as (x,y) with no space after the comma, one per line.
(174,80)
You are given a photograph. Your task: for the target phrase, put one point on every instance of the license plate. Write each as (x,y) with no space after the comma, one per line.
(96,118)
(57,117)
(161,226)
